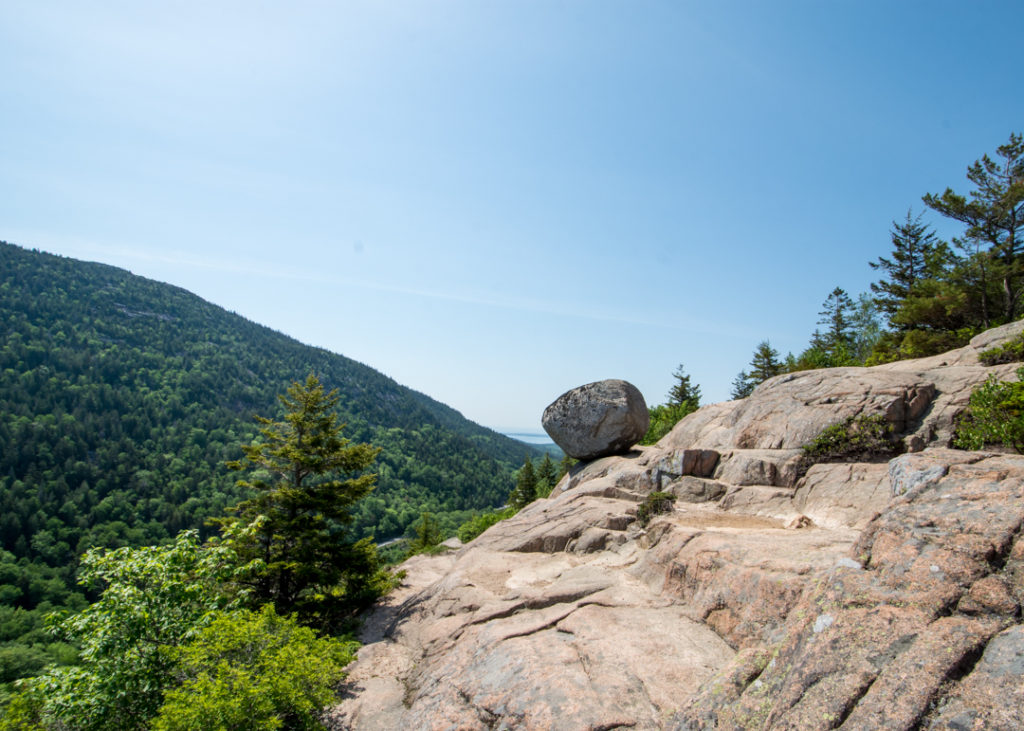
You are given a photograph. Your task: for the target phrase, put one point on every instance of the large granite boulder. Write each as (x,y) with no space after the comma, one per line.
(598,419)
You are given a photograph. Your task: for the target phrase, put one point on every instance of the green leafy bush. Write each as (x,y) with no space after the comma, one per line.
(168,643)
(23,712)
(917,344)
(995,415)
(250,670)
(154,599)
(478,524)
(856,439)
(1010,352)
(664,417)
(655,503)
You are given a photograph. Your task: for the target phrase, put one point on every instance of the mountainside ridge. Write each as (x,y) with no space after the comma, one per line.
(131,295)
(122,398)
(773,596)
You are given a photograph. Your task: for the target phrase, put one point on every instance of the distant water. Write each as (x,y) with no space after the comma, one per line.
(531,437)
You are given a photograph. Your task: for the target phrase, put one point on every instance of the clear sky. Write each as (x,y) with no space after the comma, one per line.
(495,201)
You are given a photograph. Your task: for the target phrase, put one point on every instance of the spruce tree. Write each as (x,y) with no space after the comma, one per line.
(835,314)
(683,392)
(428,534)
(742,386)
(867,327)
(683,399)
(765,363)
(913,250)
(547,476)
(525,491)
(306,477)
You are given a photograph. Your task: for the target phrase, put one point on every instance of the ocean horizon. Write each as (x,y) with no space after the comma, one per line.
(530,437)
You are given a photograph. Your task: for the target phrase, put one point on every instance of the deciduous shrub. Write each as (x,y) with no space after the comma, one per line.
(167,646)
(1010,352)
(251,670)
(479,523)
(994,415)
(664,417)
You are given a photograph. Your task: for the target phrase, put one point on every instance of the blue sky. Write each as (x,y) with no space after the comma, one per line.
(494,202)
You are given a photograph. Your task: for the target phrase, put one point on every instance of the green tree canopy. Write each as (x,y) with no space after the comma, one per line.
(742,386)
(306,478)
(993,216)
(154,600)
(765,363)
(254,670)
(867,328)
(167,646)
(121,401)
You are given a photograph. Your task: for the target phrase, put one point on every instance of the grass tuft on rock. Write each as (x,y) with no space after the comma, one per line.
(655,503)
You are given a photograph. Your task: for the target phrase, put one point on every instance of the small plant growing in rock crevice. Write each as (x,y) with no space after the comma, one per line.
(857,439)
(1009,352)
(655,503)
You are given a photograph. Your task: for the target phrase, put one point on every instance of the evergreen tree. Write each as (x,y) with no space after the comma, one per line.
(683,399)
(994,220)
(307,477)
(742,386)
(821,353)
(835,314)
(525,491)
(547,476)
(683,392)
(836,346)
(913,249)
(764,364)
(428,534)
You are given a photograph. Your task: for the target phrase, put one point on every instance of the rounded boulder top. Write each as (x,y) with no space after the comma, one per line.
(597,419)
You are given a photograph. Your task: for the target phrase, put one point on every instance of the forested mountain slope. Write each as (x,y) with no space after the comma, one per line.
(121,398)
